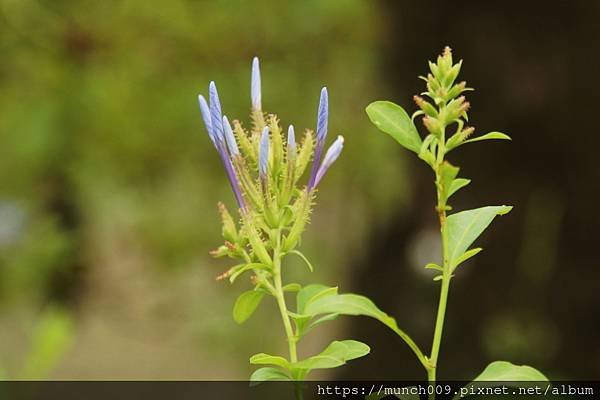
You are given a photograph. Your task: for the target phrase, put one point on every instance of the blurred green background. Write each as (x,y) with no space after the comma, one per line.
(109,183)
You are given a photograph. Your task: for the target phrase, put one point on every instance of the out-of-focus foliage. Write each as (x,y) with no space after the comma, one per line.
(108,183)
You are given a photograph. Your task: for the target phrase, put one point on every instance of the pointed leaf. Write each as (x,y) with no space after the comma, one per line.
(262,358)
(246,304)
(393,120)
(466,226)
(434,266)
(268,374)
(488,136)
(447,174)
(457,184)
(336,354)
(310,293)
(466,255)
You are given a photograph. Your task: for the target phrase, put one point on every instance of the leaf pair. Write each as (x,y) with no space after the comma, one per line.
(393,120)
(334,355)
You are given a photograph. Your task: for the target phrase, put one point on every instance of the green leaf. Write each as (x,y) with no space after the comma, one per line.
(269,374)
(504,373)
(393,120)
(466,255)
(508,372)
(336,354)
(457,184)
(311,293)
(346,304)
(434,266)
(292,287)
(303,257)
(466,226)
(325,318)
(262,358)
(488,136)
(246,304)
(447,174)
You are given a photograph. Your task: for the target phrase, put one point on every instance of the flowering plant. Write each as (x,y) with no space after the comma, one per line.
(444,116)
(264,168)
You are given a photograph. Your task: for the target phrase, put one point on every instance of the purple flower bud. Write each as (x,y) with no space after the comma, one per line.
(230,138)
(204,110)
(255,85)
(322,117)
(263,154)
(215,112)
(291,143)
(332,154)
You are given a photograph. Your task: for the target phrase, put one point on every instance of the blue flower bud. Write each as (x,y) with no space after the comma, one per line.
(322,117)
(263,154)
(291,143)
(204,110)
(255,92)
(230,138)
(215,112)
(332,154)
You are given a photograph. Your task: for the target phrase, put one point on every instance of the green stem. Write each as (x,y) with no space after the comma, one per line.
(280,297)
(283,311)
(446,276)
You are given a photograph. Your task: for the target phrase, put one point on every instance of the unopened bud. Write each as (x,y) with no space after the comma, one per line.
(426,106)
(433,125)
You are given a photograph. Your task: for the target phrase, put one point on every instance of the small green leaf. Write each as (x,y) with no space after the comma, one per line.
(466,255)
(246,304)
(457,184)
(437,277)
(336,354)
(262,358)
(311,293)
(434,266)
(303,257)
(504,373)
(466,226)
(268,374)
(488,136)
(292,287)
(447,174)
(393,120)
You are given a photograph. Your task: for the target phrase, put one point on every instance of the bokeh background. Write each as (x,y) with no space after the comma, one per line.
(109,184)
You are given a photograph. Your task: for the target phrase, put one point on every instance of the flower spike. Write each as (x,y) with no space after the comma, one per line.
(255,90)
(332,154)
(230,138)
(322,116)
(263,154)
(204,110)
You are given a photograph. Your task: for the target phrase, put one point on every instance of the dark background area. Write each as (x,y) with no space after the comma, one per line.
(108,183)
